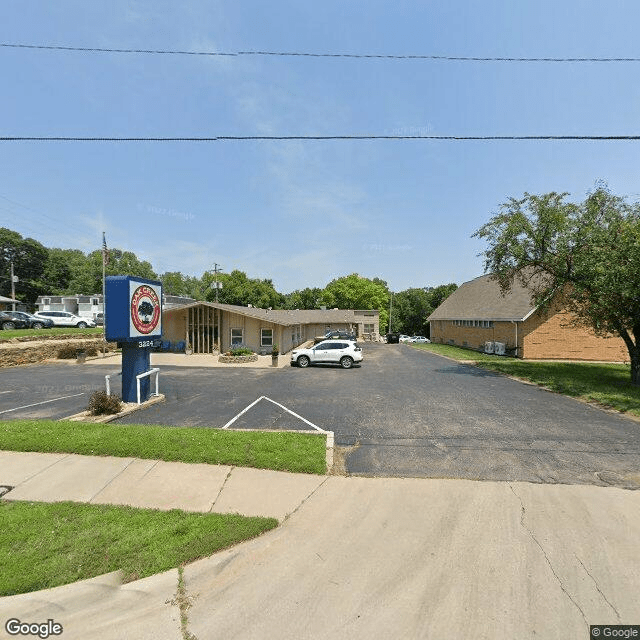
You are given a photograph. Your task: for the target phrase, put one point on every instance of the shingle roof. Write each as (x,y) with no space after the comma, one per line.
(481,299)
(282,316)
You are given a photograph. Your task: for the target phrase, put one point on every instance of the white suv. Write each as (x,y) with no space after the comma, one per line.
(344,353)
(65,319)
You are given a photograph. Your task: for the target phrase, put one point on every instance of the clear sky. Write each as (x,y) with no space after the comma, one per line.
(301,212)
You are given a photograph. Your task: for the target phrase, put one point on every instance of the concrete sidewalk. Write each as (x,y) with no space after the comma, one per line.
(356,558)
(154,484)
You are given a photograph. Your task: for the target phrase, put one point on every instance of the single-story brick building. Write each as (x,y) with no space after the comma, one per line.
(206,326)
(477,313)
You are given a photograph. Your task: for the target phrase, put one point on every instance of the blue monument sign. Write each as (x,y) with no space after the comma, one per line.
(133,318)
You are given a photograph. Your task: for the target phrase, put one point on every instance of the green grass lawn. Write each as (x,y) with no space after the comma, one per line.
(54,331)
(45,545)
(606,384)
(282,451)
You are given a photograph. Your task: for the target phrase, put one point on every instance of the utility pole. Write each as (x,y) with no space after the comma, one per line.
(216,269)
(13,288)
(390,312)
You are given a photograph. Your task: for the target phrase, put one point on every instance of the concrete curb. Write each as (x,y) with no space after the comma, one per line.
(129,407)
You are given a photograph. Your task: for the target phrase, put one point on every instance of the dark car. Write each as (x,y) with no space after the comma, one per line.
(7,322)
(393,338)
(33,322)
(339,334)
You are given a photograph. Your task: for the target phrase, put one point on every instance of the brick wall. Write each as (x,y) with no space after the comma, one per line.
(474,337)
(539,338)
(556,338)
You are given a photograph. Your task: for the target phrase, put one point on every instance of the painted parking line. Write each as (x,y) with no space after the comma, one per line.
(255,402)
(35,404)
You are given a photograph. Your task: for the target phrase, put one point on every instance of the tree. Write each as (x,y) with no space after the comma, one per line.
(308,298)
(412,307)
(239,289)
(28,257)
(583,257)
(356,292)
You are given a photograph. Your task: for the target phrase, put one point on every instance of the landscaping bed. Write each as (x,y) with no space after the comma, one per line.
(19,352)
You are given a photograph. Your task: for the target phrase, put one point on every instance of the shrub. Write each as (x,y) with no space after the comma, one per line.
(91,351)
(101,403)
(240,351)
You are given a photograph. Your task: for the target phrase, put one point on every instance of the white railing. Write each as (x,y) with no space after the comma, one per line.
(107,381)
(143,375)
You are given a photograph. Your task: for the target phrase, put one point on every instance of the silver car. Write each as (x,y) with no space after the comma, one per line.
(344,353)
(65,319)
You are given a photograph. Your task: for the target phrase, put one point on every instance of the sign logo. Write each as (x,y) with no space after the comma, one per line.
(145,309)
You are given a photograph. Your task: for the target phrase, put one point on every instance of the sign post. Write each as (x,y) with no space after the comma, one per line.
(133,319)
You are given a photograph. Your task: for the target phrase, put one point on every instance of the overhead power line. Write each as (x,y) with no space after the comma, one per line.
(307,54)
(303,138)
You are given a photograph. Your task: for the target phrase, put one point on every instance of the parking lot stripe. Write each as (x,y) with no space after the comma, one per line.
(294,414)
(242,412)
(255,402)
(35,404)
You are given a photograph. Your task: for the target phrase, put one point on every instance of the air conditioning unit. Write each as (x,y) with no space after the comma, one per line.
(489,347)
(498,348)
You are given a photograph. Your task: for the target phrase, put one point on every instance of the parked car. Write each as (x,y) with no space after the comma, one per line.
(344,353)
(393,338)
(99,319)
(404,338)
(420,340)
(7,322)
(32,321)
(339,334)
(66,319)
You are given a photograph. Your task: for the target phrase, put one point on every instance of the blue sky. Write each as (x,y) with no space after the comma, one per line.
(303,213)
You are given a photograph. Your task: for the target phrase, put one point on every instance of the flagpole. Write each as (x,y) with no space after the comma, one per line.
(104,299)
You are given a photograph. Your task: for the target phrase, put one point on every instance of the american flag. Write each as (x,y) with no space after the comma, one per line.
(105,251)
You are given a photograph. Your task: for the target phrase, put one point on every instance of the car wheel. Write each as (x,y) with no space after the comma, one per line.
(37,325)
(346,362)
(82,325)
(7,326)
(303,361)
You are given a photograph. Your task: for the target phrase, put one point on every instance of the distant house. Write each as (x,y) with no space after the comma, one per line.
(207,326)
(477,313)
(91,306)
(6,304)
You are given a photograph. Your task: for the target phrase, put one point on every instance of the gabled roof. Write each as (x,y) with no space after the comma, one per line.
(281,316)
(481,299)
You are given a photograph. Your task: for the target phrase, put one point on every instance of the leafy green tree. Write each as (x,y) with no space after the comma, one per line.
(175,283)
(583,257)
(308,298)
(412,307)
(29,258)
(239,289)
(356,292)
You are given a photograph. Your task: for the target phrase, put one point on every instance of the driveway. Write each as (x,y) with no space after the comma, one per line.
(404,412)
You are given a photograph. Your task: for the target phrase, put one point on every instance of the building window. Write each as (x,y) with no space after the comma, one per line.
(266,337)
(236,336)
(368,328)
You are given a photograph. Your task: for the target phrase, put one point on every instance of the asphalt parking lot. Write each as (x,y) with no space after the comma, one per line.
(404,412)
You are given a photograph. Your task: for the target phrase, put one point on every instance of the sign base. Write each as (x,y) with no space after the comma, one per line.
(135,360)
